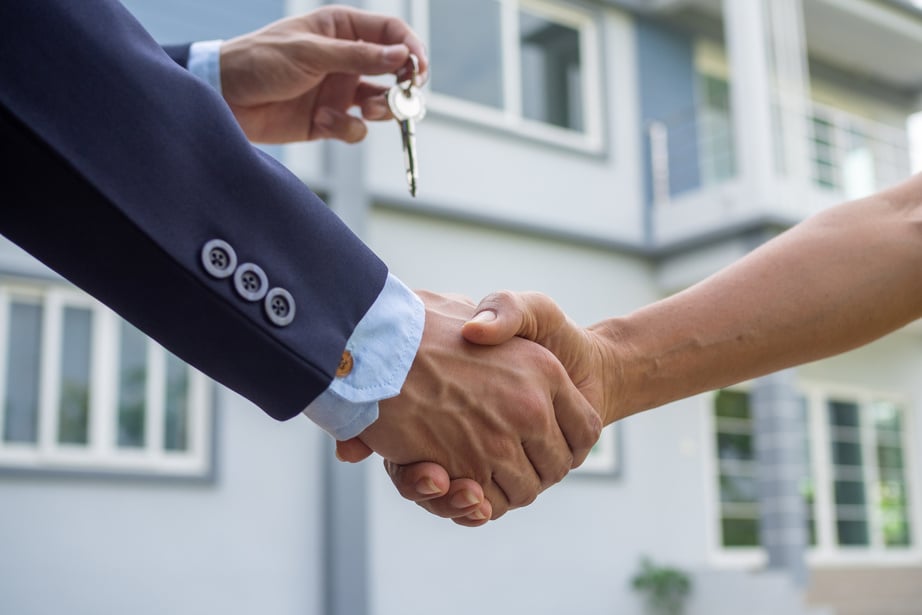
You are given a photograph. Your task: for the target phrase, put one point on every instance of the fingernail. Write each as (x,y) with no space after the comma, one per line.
(395,53)
(484,316)
(427,487)
(477,515)
(464,499)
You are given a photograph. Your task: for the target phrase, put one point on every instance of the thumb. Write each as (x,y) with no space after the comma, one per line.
(352,450)
(503,315)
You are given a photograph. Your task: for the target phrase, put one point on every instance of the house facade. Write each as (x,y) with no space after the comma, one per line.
(607,153)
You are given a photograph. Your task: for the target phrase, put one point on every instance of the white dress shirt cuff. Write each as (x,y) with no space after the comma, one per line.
(383,346)
(205,62)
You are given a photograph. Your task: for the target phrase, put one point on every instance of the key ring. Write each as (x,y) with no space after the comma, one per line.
(410,83)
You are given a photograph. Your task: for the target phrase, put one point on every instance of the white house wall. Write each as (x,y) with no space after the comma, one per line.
(508,175)
(247,542)
(574,550)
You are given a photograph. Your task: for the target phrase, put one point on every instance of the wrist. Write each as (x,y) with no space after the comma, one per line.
(622,369)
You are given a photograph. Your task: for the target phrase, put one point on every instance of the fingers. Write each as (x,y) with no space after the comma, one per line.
(330,123)
(371,98)
(352,450)
(361,57)
(551,457)
(387,30)
(428,485)
(423,481)
(579,422)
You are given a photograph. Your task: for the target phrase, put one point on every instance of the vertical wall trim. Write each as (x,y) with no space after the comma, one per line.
(345,524)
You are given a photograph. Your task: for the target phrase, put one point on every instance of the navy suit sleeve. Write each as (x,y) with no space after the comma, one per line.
(120,167)
(179,53)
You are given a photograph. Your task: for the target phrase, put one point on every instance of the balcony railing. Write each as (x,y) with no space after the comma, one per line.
(847,156)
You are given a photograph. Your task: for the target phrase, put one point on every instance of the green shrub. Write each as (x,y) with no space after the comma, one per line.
(665,588)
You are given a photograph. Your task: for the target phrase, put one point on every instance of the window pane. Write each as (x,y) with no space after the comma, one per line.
(716,127)
(740,532)
(892,489)
(741,489)
(22,373)
(852,533)
(849,492)
(887,416)
(843,414)
(74,401)
(846,453)
(890,457)
(552,79)
(176,427)
(466,50)
(734,446)
(893,512)
(732,405)
(132,390)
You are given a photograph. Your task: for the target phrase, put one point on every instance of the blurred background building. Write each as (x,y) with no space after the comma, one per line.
(608,153)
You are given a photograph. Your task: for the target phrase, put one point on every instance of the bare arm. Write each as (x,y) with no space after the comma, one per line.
(834,282)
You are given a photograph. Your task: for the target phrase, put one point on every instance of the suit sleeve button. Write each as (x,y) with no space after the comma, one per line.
(250,282)
(219,259)
(346,364)
(280,307)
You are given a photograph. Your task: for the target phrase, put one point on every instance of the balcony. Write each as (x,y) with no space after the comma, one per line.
(694,182)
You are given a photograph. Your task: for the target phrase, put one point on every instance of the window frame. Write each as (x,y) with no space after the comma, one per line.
(511,117)
(826,550)
(101,453)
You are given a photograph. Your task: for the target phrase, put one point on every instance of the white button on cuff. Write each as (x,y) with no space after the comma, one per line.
(219,259)
(280,307)
(250,282)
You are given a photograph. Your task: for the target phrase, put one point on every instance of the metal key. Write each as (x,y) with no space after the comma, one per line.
(408,107)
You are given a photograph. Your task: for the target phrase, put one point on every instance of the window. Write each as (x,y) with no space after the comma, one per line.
(82,389)
(866,489)
(718,159)
(869,479)
(529,65)
(737,473)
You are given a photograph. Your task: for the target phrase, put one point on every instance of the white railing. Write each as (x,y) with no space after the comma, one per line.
(853,155)
(847,155)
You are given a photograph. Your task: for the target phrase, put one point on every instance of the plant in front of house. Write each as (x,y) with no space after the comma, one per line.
(665,589)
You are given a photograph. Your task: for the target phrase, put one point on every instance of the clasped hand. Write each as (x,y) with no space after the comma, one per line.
(509,403)
(504,420)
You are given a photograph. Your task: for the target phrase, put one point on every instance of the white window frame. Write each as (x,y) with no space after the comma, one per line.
(826,551)
(511,117)
(101,453)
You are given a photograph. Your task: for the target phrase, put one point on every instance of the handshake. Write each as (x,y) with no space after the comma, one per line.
(505,397)
(502,400)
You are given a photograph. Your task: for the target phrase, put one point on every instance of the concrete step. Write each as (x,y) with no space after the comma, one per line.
(878,590)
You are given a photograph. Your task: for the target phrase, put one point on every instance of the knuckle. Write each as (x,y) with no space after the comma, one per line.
(559,471)
(526,499)
(503,448)
(531,413)
(593,430)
